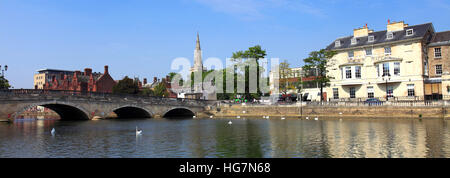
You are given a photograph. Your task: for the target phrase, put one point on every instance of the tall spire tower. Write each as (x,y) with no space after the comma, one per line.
(198,64)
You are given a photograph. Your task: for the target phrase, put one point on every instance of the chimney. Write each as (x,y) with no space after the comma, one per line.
(77,73)
(145,81)
(155,79)
(106,70)
(87,71)
(364,31)
(396,26)
(167,78)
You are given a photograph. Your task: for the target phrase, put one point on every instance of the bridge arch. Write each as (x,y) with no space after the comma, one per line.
(179,112)
(66,111)
(130,111)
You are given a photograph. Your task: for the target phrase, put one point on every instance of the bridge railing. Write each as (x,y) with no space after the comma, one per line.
(58,93)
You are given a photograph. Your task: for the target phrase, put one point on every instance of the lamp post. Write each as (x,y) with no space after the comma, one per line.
(4,70)
(386,77)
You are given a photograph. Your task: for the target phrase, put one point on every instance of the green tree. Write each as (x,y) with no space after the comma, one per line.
(319,60)
(4,83)
(160,90)
(146,92)
(126,86)
(256,53)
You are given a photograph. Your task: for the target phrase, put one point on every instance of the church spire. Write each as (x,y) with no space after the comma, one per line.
(197,47)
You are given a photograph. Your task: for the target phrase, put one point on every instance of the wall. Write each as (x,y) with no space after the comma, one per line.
(334,111)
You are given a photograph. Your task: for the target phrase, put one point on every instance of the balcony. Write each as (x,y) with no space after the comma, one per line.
(349,82)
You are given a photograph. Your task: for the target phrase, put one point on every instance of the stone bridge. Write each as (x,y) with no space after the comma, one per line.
(72,105)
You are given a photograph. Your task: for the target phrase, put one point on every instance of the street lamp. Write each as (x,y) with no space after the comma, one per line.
(4,69)
(386,77)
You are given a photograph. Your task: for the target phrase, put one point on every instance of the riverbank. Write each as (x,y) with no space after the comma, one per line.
(297,111)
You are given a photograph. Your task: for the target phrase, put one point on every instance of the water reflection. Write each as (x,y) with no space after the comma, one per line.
(215,138)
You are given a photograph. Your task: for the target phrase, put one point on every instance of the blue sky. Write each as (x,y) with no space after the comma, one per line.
(141,37)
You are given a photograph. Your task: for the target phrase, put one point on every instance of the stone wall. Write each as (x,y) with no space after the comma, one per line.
(334,111)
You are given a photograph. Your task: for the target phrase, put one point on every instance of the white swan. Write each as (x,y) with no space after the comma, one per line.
(211,117)
(138,131)
(267,117)
(53,131)
(307,118)
(194,116)
(238,117)
(229,122)
(316,118)
(283,118)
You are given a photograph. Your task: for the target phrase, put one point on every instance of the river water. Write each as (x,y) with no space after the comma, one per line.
(212,138)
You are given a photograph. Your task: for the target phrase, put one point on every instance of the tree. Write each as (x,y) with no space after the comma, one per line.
(126,86)
(160,90)
(256,53)
(284,73)
(319,60)
(146,92)
(4,83)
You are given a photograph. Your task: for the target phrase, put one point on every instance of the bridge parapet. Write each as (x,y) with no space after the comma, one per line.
(29,94)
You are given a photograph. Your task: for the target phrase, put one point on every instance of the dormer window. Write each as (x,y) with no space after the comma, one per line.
(337,43)
(409,32)
(371,38)
(390,35)
(353,41)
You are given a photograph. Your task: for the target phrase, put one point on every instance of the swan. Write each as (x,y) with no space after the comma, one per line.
(316,118)
(194,116)
(138,131)
(53,131)
(283,118)
(229,122)
(340,113)
(238,117)
(267,117)
(307,118)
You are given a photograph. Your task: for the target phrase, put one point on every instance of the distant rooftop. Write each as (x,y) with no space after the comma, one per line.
(52,70)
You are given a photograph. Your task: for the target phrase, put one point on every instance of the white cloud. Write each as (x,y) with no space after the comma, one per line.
(255,9)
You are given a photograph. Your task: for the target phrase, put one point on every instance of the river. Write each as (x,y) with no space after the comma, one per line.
(215,138)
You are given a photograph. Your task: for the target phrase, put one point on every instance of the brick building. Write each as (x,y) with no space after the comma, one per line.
(86,81)
(438,83)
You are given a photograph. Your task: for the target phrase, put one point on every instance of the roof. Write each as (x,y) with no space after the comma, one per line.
(441,38)
(419,31)
(54,70)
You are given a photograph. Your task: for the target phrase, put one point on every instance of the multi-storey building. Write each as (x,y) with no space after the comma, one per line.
(46,75)
(86,81)
(383,64)
(294,79)
(438,83)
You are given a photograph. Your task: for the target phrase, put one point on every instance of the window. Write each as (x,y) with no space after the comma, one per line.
(386,69)
(390,91)
(409,32)
(368,51)
(335,93)
(396,68)
(348,72)
(352,92)
(358,71)
(387,50)
(351,54)
(353,41)
(438,69)
(371,39)
(410,88)
(337,43)
(390,35)
(370,92)
(437,53)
